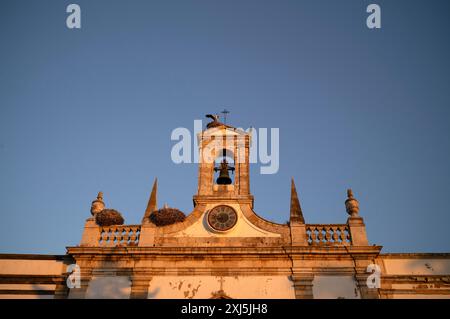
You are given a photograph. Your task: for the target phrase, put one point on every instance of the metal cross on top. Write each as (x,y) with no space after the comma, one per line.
(225,112)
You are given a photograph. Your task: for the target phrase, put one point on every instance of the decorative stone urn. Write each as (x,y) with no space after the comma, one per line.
(351,204)
(97,205)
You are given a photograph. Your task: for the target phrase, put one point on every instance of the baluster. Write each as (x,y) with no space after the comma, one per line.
(108,236)
(343,235)
(138,235)
(320,235)
(132,237)
(113,238)
(308,235)
(100,237)
(123,236)
(118,236)
(313,236)
(335,235)
(347,237)
(126,235)
(327,235)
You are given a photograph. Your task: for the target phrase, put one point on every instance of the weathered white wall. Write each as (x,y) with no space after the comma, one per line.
(421,287)
(276,287)
(333,287)
(28,267)
(111,287)
(31,267)
(5,296)
(416,266)
(28,286)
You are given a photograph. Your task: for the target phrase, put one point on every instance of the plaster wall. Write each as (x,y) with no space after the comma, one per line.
(109,287)
(334,287)
(181,287)
(416,266)
(31,267)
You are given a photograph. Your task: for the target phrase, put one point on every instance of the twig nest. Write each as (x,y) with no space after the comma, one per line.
(167,216)
(108,217)
(214,124)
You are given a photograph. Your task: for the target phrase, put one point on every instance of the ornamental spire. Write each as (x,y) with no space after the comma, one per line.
(296,210)
(152,202)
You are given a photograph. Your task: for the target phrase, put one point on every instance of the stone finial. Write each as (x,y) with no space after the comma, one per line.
(296,209)
(351,204)
(152,201)
(97,205)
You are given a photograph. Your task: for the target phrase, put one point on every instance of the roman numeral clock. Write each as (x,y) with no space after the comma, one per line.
(222,218)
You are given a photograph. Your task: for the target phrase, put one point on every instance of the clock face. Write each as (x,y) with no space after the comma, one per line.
(222,218)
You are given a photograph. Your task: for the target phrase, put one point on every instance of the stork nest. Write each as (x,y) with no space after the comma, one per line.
(108,217)
(167,216)
(214,124)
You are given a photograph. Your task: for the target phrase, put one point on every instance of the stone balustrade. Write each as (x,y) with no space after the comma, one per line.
(129,235)
(328,234)
(119,235)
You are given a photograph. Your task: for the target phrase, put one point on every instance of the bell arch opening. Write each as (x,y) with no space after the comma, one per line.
(224,167)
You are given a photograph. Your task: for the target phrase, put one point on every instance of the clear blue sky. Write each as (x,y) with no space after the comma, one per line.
(93,109)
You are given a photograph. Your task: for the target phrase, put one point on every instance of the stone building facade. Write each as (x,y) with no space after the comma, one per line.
(224,249)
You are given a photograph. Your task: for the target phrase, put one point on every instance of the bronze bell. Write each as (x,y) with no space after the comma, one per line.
(224,177)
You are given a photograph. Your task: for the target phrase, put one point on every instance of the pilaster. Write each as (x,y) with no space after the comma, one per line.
(139,286)
(85,278)
(303,285)
(357,230)
(147,235)
(298,234)
(90,233)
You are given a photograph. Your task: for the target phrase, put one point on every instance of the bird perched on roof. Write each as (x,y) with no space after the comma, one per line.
(215,121)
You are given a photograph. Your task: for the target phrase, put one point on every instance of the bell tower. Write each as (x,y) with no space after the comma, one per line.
(223,171)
